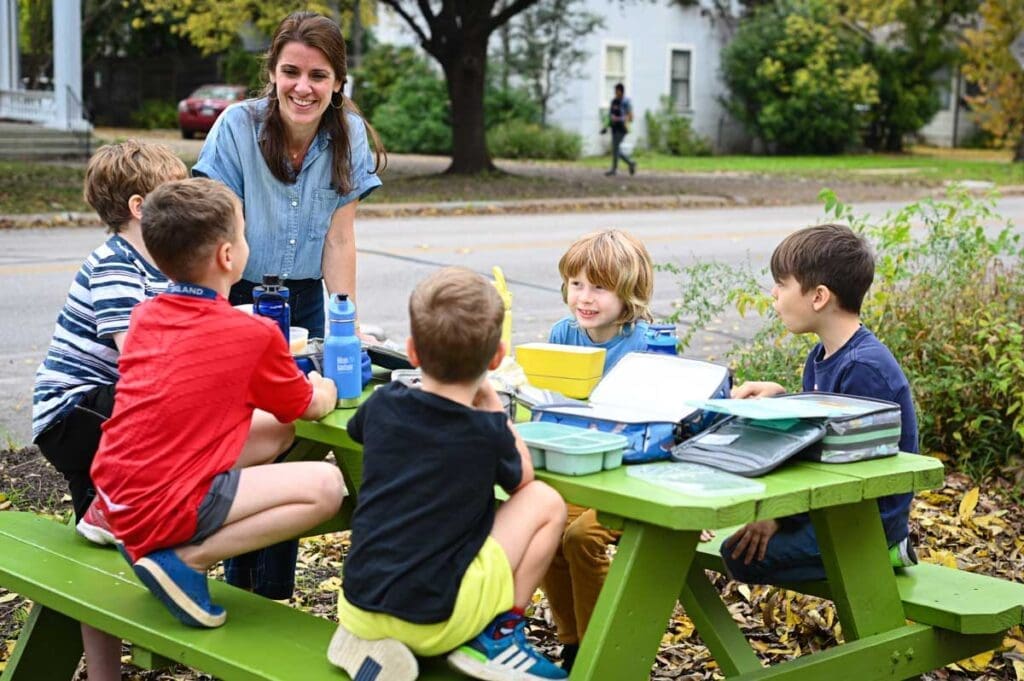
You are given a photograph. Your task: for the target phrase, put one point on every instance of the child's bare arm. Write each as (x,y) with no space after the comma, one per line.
(757,389)
(325,397)
(524,457)
(487,399)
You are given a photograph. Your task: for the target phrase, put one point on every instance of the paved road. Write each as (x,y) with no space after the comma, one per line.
(36,267)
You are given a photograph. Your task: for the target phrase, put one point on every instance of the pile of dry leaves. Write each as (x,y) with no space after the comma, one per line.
(960,525)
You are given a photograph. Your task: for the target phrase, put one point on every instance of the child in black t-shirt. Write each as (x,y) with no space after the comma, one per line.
(433,566)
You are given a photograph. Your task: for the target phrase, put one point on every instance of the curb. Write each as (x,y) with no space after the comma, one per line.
(450,208)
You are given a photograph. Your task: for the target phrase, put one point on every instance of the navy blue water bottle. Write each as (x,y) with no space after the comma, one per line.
(661,338)
(343,351)
(271,300)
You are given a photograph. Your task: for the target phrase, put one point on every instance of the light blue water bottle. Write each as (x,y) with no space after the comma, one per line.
(343,351)
(271,300)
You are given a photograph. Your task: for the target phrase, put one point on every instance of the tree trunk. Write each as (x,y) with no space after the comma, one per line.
(465,67)
(1018,152)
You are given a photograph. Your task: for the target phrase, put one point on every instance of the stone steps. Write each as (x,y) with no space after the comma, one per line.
(29,141)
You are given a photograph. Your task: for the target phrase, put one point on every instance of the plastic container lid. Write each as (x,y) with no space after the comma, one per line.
(571,440)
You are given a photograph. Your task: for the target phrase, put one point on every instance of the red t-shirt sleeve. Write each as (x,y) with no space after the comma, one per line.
(277,385)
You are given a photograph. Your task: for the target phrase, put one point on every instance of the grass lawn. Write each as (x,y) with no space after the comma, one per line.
(925,164)
(27,187)
(41,187)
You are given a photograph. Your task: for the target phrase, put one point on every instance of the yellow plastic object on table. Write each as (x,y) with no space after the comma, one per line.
(570,369)
(506,298)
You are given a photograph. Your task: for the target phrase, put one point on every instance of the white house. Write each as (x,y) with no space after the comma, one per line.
(655,49)
(60,108)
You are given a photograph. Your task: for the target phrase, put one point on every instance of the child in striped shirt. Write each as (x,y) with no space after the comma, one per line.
(74,387)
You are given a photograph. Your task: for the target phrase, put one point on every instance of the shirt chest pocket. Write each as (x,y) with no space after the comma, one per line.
(322,206)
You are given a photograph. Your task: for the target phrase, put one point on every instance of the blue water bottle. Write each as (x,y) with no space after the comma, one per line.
(271,300)
(661,338)
(343,351)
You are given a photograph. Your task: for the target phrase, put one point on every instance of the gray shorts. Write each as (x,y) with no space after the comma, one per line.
(216,504)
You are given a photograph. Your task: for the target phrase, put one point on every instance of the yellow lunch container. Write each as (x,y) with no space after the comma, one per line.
(570,369)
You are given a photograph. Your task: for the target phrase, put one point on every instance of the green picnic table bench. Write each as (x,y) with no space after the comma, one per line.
(70,580)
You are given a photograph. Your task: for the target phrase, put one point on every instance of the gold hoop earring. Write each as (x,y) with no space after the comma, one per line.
(341,100)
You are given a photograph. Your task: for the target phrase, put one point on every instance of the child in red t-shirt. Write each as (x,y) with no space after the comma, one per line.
(207,394)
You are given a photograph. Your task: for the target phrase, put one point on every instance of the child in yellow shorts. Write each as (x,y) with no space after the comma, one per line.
(434,567)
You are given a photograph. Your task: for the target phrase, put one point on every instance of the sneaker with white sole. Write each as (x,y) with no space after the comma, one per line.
(384,659)
(94,527)
(507,658)
(182,589)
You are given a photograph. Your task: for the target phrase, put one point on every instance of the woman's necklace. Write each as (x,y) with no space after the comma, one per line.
(298,156)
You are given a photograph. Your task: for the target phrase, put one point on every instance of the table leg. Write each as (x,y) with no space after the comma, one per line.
(636,602)
(49,647)
(861,580)
(718,630)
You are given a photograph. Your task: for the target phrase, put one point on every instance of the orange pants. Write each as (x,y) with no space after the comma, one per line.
(577,572)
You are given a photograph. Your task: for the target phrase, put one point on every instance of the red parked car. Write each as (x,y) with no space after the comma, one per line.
(200,109)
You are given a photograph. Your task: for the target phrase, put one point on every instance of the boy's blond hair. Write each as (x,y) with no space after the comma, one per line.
(455,316)
(616,261)
(183,223)
(116,172)
(829,255)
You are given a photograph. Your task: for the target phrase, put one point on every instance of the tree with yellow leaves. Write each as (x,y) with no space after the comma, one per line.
(999,105)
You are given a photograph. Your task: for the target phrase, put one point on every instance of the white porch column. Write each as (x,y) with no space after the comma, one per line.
(9,76)
(67,65)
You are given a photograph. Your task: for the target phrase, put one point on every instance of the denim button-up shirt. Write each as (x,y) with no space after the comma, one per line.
(285,224)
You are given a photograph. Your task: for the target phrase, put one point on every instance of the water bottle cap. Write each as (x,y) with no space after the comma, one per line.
(272,280)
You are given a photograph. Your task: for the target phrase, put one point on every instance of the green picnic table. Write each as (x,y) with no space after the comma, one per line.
(655,564)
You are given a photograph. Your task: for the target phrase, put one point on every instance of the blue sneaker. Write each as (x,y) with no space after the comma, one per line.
(183,590)
(508,658)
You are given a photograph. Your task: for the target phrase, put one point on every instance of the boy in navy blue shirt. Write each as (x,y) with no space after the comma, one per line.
(821,276)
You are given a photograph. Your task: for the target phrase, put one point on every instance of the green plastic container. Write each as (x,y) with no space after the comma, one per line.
(570,450)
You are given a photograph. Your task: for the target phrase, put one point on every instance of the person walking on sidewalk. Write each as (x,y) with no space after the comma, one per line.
(620,115)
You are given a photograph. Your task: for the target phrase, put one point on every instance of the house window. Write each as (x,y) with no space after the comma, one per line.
(614,69)
(943,80)
(679,88)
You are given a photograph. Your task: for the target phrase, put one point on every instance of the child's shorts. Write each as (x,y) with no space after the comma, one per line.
(213,511)
(486,591)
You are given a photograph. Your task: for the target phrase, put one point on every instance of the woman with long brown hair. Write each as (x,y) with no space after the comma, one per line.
(299,158)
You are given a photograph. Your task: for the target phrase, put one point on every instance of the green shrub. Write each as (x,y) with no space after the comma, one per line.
(670,133)
(502,105)
(797,78)
(519,139)
(415,118)
(948,300)
(155,113)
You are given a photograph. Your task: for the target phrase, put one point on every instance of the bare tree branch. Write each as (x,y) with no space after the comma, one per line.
(420,33)
(510,11)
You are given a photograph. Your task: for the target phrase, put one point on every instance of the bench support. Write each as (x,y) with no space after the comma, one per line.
(728,645)
(903,653)
(648,572)
(49,647)
(859,564)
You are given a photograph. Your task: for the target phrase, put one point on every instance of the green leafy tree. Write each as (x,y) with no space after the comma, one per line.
(546,47)
(919,42)
(797,77)
(214,25)
(999,105)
